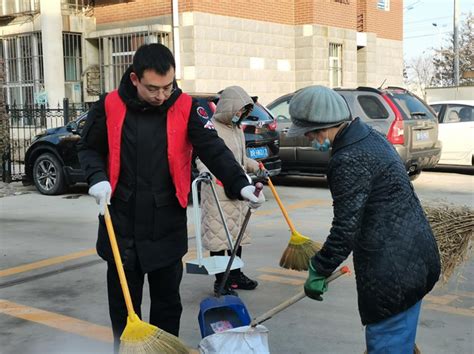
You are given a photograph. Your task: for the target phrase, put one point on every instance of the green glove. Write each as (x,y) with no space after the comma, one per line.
(315,285)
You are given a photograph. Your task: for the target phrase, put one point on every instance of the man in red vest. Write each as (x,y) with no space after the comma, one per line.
(136,150)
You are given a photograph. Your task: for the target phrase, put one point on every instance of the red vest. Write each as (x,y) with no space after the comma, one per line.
(179,148)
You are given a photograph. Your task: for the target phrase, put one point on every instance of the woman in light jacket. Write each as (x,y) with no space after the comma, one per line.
(233,106)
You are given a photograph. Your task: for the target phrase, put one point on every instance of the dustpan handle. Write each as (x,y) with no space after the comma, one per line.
(197,219)
(118,262)
(221,213)
(280,204)
(258,189)
(269,314)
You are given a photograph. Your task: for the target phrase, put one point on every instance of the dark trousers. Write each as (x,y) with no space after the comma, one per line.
(166,308)
(220,276)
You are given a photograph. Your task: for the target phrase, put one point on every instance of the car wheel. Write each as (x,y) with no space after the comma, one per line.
(48,175)
(414,175)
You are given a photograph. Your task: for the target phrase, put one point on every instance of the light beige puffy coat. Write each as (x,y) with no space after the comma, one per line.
(213,235)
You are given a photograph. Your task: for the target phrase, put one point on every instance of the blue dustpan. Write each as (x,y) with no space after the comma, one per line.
(221,313)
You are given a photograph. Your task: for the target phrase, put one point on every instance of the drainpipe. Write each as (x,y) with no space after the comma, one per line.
(176,45)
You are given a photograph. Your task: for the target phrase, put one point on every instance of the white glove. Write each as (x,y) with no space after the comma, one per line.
(101,192)
(247,194)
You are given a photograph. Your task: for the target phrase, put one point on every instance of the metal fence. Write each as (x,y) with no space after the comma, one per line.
(25,123)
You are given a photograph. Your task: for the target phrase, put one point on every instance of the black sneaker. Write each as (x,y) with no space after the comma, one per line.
(241,281)
(226,291)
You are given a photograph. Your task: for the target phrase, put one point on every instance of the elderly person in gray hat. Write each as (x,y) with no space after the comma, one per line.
(377,216)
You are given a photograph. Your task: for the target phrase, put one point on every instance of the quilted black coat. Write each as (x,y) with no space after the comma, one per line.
(378,217)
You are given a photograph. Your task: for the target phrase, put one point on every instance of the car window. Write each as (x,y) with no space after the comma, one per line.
(372,107)
(258,113)
(458,113)
(281,111)
(411,107)
(436,108)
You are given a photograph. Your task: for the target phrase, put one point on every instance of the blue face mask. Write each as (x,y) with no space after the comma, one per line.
(322,147)
(236,119)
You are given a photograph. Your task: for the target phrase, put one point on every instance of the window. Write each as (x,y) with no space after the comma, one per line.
(23,59)
(372,107)
(281,111)
(72,56)
(116,54)
(458,113)
(383,5)
(335,65)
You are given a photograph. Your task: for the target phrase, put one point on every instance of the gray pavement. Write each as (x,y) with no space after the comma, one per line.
(52,284)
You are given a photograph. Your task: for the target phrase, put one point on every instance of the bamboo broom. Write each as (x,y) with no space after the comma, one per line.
(139,336)
(300,248)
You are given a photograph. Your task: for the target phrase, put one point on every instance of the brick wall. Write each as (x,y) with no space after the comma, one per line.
(386,24)
(327,12)
(335,13)
(116,11)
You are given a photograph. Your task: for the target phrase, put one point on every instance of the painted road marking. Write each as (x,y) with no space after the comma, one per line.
(450,309)
(288,272)
(61,259)
(46,262)
(302,204)
(281,280)
(441,300)
(61,322)
(57,321)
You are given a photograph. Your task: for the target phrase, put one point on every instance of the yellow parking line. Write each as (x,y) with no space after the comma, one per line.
(441,300)
(281,280)
(57,321)
(46,262)
(303,204)
(450,309)
(289,272)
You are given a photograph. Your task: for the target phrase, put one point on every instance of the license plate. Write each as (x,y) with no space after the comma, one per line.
(257,153)
(422,136)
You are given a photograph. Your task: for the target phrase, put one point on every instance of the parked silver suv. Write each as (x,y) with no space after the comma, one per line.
(407,121)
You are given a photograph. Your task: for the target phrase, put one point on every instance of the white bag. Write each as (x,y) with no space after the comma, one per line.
(240,340)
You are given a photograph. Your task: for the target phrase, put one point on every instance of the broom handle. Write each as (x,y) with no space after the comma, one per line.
(280,204)
(118,262)
(269,314)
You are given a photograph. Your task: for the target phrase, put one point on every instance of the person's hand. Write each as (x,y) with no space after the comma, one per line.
(102,192)
(205,175)
(315,285)
(248,194)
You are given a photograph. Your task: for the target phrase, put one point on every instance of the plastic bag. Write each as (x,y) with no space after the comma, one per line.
(240,340)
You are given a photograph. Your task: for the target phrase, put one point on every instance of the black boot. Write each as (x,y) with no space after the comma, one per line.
(227,290)
(241,281)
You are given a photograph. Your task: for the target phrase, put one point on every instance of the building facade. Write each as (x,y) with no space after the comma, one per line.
(80,48)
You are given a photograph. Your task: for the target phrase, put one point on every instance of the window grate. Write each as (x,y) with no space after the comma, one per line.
(335,65)
(383,5)
(116,54)
(23,59)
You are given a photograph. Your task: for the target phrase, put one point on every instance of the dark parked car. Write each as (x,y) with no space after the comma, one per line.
(51,161)
(407,121)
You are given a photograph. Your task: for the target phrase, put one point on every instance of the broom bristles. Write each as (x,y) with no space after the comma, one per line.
(297,256)
(142,337)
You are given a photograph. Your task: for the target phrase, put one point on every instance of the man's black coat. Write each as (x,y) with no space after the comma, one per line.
(150,224)
(378,217)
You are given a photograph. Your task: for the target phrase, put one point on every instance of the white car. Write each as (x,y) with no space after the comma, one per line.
(456,131)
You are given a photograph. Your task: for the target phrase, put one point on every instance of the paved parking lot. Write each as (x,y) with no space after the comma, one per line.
(52,284)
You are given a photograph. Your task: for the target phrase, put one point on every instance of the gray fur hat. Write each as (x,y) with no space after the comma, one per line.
(315,108)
